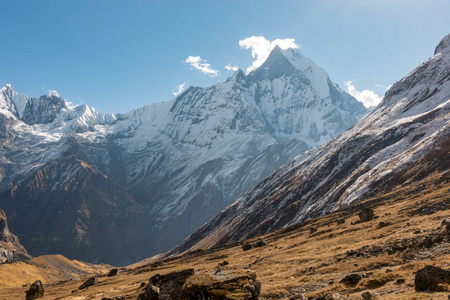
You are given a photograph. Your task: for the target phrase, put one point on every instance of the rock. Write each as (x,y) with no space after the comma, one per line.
(113,272)
(259,243)
(368,296)
(171,285)
(429,278)
(400,281)
(150,293)
(155,280)
(115,298)
(340,221)
(334,296)
(247,246)
(356,222)
(36,291)
(446,224)
(366,215)
(233,286)
(351,279)
(224,263)
(383,224)
(90,282)
(388,271)
(142,285)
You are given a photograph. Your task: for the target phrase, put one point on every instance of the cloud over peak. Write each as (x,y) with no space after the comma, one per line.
(366,97)
(198,63)
(179,90)
(261,48)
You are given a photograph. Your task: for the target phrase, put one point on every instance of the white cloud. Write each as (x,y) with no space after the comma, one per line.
(261,48)
(366,97)
(229,67)
(198,63)
(382,86)
(180,89)
(389,87)
(53,93)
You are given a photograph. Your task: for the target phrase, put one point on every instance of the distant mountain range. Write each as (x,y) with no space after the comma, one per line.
(403,140)
(119,188)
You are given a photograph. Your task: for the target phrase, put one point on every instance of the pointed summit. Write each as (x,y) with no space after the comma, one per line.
(444,45)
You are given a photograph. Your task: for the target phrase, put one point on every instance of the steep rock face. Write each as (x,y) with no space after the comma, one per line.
(10,248)
(411,126)
(182,161)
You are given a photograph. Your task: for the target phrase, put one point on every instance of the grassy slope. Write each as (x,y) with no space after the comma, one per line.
(301,260)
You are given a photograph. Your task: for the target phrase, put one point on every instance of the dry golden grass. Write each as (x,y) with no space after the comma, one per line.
(298,259)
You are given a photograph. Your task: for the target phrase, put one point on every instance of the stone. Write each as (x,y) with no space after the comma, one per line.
(171,285)
(351,280)
(36,291)
(259,243)
(247,246)
(89,282)
(429,278)
(232,286)
(155,280)
(340,221)
(400,281)
(150,293)
(368,296)
(298,297)
(113,272)
(366,215)
(334,296)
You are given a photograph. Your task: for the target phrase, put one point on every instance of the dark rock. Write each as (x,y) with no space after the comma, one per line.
(90,282)
(224,263)
(383,224)
(155,280)
(312,230)
(367,275)
(150,293)
(388,270)
(171,285)
(36,291)
(429,278)
(366,215)
(340,221)
(356,222)
(351,279)
(247,246)
(113,272)
(259,243)
(400,281)
(115,298)
(142,285)
(368,296)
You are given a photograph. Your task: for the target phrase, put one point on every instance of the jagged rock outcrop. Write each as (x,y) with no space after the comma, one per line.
(10,248)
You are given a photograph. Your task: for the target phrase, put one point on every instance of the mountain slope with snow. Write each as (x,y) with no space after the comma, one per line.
(371,157)
(181,161)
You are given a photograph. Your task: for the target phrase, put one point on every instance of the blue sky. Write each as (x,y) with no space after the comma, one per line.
(119,55)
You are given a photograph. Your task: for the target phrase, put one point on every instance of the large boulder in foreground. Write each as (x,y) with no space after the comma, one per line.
(229,286)
(430,278)
(36,291)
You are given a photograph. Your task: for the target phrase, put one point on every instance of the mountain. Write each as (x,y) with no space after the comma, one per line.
(10,248)
(92,185)
(405,139)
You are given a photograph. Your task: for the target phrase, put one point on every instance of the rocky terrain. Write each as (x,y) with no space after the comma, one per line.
(119,188)
(401,141)
(342,255)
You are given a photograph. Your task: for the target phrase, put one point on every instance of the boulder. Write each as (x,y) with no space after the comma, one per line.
(429,278)
(259,243)
(36,291)
(232,286)
(247,246)
(90,282)
(171,285)
(368,296)
(298,297)
(365,215)
(150,293)
(113,272)
(340,221)
(351,280)
(155,280)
